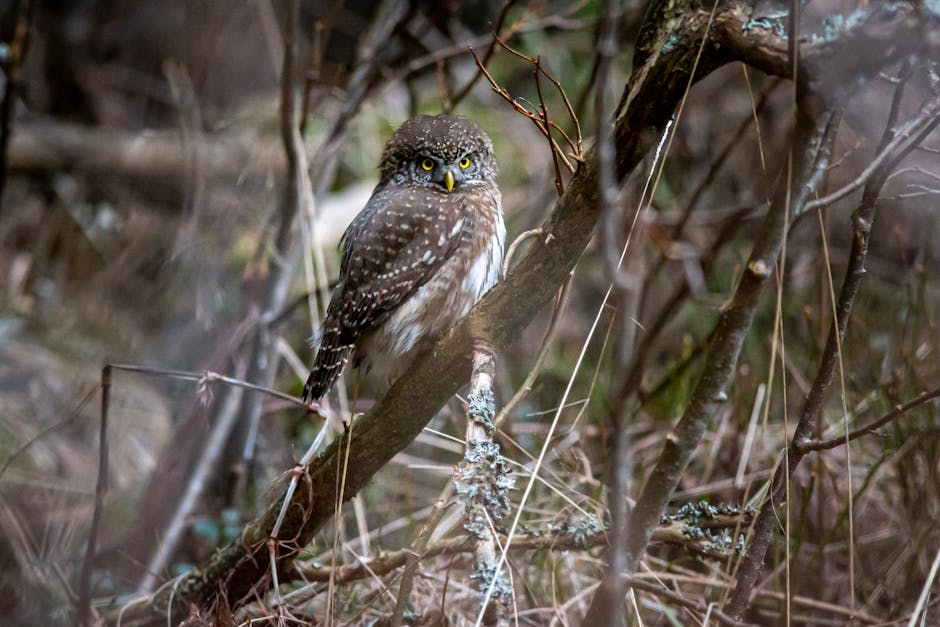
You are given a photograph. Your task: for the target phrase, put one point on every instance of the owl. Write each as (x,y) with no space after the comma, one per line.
(424,249)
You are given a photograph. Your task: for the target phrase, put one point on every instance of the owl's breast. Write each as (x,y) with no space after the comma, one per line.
(450,294)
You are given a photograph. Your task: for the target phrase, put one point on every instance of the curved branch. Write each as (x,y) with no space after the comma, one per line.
(875,37)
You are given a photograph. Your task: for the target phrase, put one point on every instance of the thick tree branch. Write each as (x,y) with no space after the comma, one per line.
(834,62)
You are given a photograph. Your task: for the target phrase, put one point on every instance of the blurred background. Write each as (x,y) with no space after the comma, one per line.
(144,177)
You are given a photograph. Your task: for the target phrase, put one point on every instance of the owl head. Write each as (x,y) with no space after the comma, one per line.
(444,152)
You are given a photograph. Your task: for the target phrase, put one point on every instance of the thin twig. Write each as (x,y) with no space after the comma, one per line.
(208,376)
(85,589)
(195,487)
(552,147)
(540,358)
(75,413)
(500,22)
(511,251)
(575,145)
(418,551)
(840,440)
(542,123)
(901,143)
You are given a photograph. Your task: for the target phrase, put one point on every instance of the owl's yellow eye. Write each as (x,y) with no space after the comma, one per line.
(427,164)
(464,163)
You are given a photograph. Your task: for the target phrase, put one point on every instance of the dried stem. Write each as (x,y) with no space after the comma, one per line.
(411,558)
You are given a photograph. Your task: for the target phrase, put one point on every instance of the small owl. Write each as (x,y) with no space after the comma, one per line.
(423,251)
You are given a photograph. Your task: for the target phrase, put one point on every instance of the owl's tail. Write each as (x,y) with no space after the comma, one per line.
(332,356)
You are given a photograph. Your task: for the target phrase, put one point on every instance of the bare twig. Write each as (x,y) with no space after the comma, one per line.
(540,117)
(411,559)
(559,183)
(203,378)
(85,590)
(75,413)
(500,23)
(575,145)
(198,480)
(840,440)
(511,251)
(526,386)
(901,143)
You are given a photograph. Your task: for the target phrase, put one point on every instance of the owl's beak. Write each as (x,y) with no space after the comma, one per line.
(449,180)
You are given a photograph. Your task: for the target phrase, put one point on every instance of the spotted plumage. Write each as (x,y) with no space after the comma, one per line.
(424,249)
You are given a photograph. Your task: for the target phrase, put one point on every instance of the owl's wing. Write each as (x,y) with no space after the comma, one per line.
(393,247)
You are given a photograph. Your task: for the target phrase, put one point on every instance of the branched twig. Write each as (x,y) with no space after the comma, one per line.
(539,115)
(546,123)
(820,445)
(574,145)
(206,377)
(901,143)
